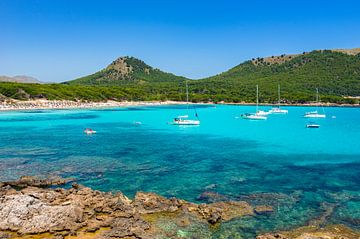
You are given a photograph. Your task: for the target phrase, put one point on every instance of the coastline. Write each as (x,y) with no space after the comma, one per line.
(33,208)
(294,105)
(66,104)
(15,105)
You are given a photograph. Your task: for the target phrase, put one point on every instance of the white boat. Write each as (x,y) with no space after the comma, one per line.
(262,113)
(312,125)
(253,116)
(89,131)
(184,119)
(259,114)
(276,109)
(315,114)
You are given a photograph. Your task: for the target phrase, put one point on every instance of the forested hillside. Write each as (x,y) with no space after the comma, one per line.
(335,73)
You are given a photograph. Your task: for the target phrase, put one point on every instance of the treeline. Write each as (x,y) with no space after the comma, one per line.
(200,92)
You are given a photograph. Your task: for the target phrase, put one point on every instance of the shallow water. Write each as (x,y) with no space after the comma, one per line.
(300,172)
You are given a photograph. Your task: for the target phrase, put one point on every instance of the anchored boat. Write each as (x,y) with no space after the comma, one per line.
(259,115)
(184,119)
(315,114)
(277,110)
(312,125)
(89,131)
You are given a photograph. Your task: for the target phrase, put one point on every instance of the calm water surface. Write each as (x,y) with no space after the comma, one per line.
(300,172)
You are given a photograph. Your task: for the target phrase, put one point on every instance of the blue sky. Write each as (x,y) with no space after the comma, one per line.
(58,40)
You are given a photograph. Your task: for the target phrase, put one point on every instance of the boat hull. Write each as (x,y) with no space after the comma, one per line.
(187,122)
(315,116)
(277,111)
(254,117)
(313,126)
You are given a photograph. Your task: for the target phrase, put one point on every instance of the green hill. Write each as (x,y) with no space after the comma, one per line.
(335,72)
(127,70)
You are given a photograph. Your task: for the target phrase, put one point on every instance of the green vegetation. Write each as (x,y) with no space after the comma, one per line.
(125,71)
(335,74)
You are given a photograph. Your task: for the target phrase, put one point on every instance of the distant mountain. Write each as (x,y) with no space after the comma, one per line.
(127,70)
(19,79)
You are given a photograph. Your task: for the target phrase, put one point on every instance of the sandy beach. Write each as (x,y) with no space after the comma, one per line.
(64,104)
(14,105)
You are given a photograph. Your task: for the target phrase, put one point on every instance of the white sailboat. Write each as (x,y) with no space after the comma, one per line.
(184,119)
(259,114)
(277,110)
(315,114)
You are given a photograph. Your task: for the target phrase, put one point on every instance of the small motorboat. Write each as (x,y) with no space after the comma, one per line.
(312,125)
(89,131)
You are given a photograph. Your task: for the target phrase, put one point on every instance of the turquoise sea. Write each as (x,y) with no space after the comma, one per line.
(301,172)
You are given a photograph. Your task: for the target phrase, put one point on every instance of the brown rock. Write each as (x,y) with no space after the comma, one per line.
(30,181)
(4,235)
(272,236)
(151,203)
(314,232)
(79,210)
(263,209)
(128,227)
(26,214)
(232,209)
(209,196)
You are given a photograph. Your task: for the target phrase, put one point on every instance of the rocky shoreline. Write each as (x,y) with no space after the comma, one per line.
(35,208)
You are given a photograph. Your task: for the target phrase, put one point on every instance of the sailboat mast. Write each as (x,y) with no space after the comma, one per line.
(257,98)
(187,93)
(317,96)
(279,94)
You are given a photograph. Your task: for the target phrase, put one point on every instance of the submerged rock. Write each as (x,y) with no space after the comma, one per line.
(313,232)
(209,196)
(263,209)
